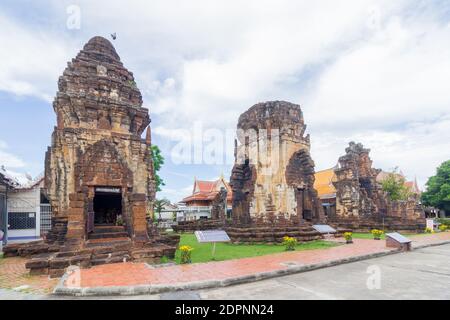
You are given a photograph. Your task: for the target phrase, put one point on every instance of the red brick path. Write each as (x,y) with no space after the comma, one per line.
(129,274)
(13,274)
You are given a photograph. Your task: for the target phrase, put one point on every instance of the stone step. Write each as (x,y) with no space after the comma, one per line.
(108,242)
(111,254)
(116,259)
(104,235)
(108,229)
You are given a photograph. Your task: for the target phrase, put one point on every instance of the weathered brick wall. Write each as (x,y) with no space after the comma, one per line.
(219,205)
(360,201)
(97,141)
(272,179)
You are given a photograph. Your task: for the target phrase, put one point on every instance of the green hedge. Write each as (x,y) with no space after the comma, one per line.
(445,221)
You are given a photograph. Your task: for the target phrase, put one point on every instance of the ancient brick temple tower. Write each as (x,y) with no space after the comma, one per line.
(361,204)
(97,163)
(98,171)
(273,178)
(357,192)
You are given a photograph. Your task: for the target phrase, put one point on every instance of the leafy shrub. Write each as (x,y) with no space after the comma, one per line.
(348,236)
(290,243)
(443,227)
(445,222)
(377,233)
(186,254)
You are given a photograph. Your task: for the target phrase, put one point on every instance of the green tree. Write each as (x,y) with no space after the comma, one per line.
(438,188)
(394,186)
(159,206)
(158,161)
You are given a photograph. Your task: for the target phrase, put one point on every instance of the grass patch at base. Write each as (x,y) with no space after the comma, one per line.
(226,251)
(360,235)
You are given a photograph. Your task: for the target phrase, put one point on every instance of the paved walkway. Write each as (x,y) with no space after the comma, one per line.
(135,274)
(419,274)
(13,273)
(132,274)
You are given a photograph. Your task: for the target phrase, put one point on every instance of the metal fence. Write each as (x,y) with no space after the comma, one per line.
(46,218)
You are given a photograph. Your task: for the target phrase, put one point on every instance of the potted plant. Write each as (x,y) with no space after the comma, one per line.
(186,254)
(348,237)
(119,220)
(377,234)
(290,243)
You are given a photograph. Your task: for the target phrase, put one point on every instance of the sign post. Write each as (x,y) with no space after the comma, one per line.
(214,250)
(212,236)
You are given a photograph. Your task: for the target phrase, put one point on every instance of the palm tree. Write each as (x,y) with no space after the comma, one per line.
(159,206)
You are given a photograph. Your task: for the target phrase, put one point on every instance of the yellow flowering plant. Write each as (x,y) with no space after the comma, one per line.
(377,234)
(186,254)
(348,236)
(429,230)
(290,243)
(443,227)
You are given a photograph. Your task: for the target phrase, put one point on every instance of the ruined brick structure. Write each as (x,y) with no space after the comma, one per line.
(97,147)
(360,201)
(357,192)
(219,205)
(273,177)
(98,170)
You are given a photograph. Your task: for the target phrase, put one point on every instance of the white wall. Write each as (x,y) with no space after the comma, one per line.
(24,200)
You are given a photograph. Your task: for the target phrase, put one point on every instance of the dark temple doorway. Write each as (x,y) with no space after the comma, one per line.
(107,206)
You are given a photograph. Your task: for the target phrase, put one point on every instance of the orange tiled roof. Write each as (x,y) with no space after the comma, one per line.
(323,183)
(412,186)
(207,190)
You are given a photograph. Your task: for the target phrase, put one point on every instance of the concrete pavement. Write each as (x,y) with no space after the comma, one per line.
(421,274)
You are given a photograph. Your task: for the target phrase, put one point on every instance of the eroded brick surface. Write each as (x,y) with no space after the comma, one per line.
(13,274)
(273,176)
(361,204)
(97,144)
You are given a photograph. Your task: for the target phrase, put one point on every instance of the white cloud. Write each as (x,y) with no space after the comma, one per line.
(31,59)
(175,194)
(7,159)
(372,71)
(399,75)
(418,149)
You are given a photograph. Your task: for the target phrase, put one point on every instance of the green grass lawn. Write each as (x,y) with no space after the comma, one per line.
(225,251)
(358,235)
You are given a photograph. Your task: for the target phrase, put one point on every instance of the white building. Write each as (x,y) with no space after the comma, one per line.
(27,215)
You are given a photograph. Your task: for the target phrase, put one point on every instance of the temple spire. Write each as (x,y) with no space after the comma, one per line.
(148,137)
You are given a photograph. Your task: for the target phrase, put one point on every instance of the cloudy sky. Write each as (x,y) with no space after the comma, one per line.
(377,72)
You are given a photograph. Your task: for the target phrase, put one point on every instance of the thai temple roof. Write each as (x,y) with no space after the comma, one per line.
(19,180)
(323,183)
(207,190)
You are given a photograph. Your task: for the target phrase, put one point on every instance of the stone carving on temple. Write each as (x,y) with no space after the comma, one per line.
(360,201)
(219,205)
(273,176)
(98,170)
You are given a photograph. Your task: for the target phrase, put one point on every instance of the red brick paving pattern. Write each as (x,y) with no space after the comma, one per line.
(13,274)
(129,274)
